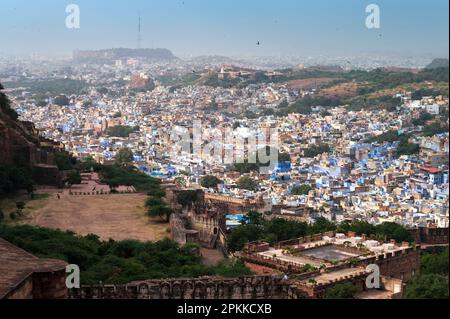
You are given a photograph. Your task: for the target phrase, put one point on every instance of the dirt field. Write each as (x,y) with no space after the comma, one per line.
(8,205)
(309,83)
(411,88)
(109,216)
(348,89)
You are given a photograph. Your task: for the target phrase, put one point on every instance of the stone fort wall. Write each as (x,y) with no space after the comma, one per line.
(254,287)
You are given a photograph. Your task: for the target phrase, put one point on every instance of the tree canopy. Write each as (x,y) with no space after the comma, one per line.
(432,281)
(342,291)
(210,181)
(301,190)
(247,183)
(118,262)
(124,156)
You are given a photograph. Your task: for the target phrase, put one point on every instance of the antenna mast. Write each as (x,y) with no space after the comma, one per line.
(139,40)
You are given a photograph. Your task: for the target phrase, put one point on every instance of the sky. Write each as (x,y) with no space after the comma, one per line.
(228,27)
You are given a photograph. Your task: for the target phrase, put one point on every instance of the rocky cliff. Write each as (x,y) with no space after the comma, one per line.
(20,144)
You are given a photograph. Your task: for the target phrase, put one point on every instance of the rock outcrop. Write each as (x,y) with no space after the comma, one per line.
(21,144)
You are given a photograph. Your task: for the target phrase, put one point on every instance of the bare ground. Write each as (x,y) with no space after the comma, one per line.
(119,217)
(211,257)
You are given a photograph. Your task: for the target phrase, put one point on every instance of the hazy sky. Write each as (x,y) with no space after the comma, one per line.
(228,27)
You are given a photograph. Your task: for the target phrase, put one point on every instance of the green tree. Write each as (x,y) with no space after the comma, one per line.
(301,190)
(254,217)
(124,156)
(154,201)
(342,291)
(393,231)
(247,183)
(432,263)
(14,178)
(102,90)
(117,262)
(281,229)
(188,197)
(121,130)
(408,149)
(61,100)
(423,119)
(321,225)
(113,184)
(284,157)
(315,150)
(210,181)
(157,207)
(242,235)
(435,128)
(162,211)
(427,286)
(64,161)
(74,178)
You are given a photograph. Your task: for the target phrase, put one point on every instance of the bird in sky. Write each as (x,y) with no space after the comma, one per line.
(257,43)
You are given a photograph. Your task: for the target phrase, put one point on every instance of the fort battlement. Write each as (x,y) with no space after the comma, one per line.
(204,220)
(254,287)
(317,289)
(274,263)
(302,240)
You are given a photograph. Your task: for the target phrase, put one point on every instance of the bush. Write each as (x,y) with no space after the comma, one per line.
(210,181)
(20,205)
(342,291)
(427,286)
(124,156)
(61,100)
(121,130)
(14,178)
(247,183)
(301,190)
(74,178)
(117,262)
(432,263)
(188,197)
(129,176)
(64,161)
(315,150)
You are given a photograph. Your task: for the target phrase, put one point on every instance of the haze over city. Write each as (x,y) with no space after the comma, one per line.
(228,28)
(224,150)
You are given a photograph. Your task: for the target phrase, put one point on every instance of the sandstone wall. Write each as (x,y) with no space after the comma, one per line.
(256,287)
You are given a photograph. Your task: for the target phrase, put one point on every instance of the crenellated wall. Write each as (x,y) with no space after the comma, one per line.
(402,264)
(305,239)
(255,287)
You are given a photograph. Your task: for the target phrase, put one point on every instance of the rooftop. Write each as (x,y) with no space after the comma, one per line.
(16,265)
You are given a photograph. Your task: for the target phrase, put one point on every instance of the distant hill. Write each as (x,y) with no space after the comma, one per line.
(438,63)
(109,55)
